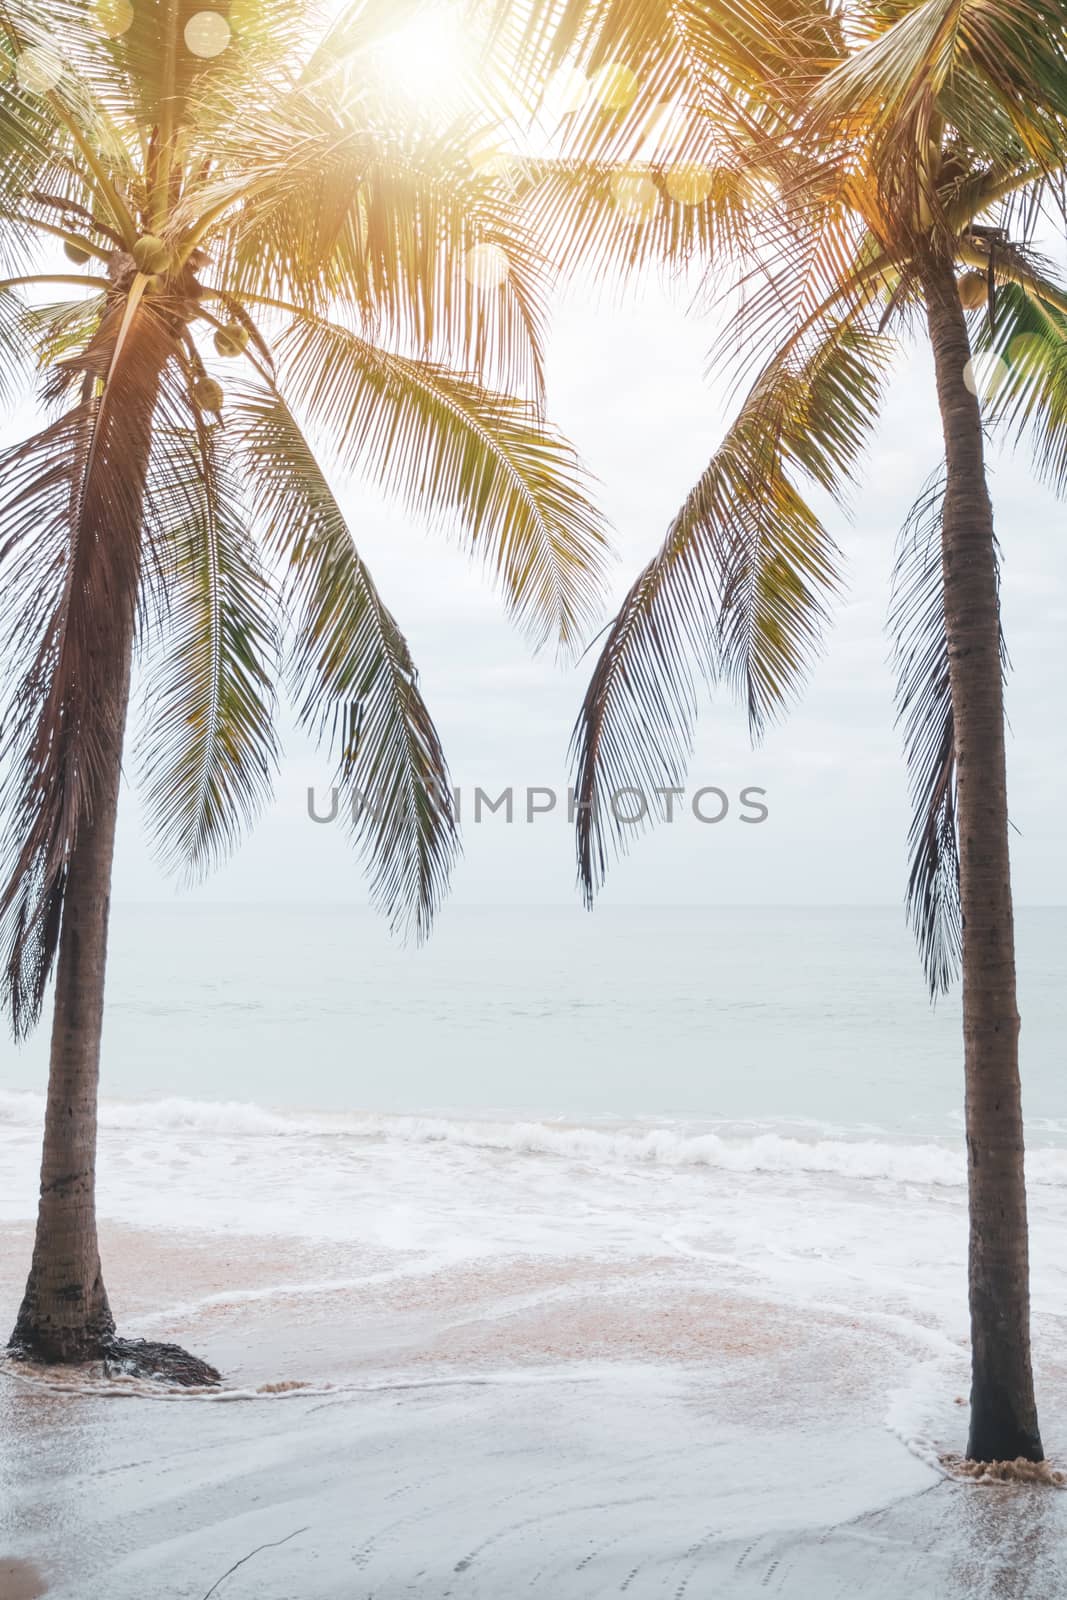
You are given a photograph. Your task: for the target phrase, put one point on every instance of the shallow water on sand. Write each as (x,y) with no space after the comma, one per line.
(570,1483)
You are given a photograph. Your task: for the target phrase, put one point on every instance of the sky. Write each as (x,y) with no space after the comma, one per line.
(628,384)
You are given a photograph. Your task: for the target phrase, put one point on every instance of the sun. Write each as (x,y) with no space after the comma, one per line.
(429,57)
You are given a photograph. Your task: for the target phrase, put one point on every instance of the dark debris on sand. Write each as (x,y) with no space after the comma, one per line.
(166,1363)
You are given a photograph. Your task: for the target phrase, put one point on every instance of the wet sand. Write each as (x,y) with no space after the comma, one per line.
(20,1580)
(564,1428)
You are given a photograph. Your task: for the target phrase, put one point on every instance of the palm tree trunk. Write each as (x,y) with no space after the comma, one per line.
(1003,1410)
(65,1314)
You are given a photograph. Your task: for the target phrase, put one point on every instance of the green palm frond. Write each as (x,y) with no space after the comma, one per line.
(208,751)
(924,711)
(739,589)
(353,679)
(450,448)
(14,362)
(51,333)
(1029,343)
(741,583)
(71,544)
(996,70)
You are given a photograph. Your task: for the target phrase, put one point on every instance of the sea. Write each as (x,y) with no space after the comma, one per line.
(804,1023)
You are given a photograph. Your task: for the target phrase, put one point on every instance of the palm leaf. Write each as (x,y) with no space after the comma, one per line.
(208,752)
(453,450)
(924,711)
(394,224)
(1030,343)
(996,71)
(705,58)
(71,546)
(350,667)
(614,219)
(738,590)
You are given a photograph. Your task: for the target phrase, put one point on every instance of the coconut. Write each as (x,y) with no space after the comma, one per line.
(151,254)
(973,290)
(75,252)
(231,340)
(208,394)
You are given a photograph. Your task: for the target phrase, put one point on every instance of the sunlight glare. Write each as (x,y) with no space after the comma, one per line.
(690,185)
(567,92)
(207,34)
(613,86)
(427,58)
(38,69)
(986,375)
(113,18)
(487,267)
(635,195)
(493,155)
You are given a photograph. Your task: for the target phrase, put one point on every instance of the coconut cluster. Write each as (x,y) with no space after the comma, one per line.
(153,258)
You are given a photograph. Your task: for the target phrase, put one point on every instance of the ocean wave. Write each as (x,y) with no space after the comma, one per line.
(843,1155)
(195,1116)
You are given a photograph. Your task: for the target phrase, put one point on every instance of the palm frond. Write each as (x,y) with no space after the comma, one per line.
(52,333)
(451,449)
(208,752)
(995,72)
(14,365)
(352,676)
(924,711)
(321,207)
(738,590)
(616,219)
(71,549)
(704,59)
(1029,345)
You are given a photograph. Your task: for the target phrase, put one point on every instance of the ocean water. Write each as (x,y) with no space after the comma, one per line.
(706,1018)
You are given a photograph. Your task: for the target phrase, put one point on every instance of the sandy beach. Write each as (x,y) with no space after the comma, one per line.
(567,1428)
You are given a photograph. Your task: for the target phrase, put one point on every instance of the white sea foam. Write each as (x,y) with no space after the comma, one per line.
(668,1147)
(200,1116)
(856,1156)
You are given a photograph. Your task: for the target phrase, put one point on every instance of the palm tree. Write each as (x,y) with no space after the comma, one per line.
(233,195)
(843,176)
